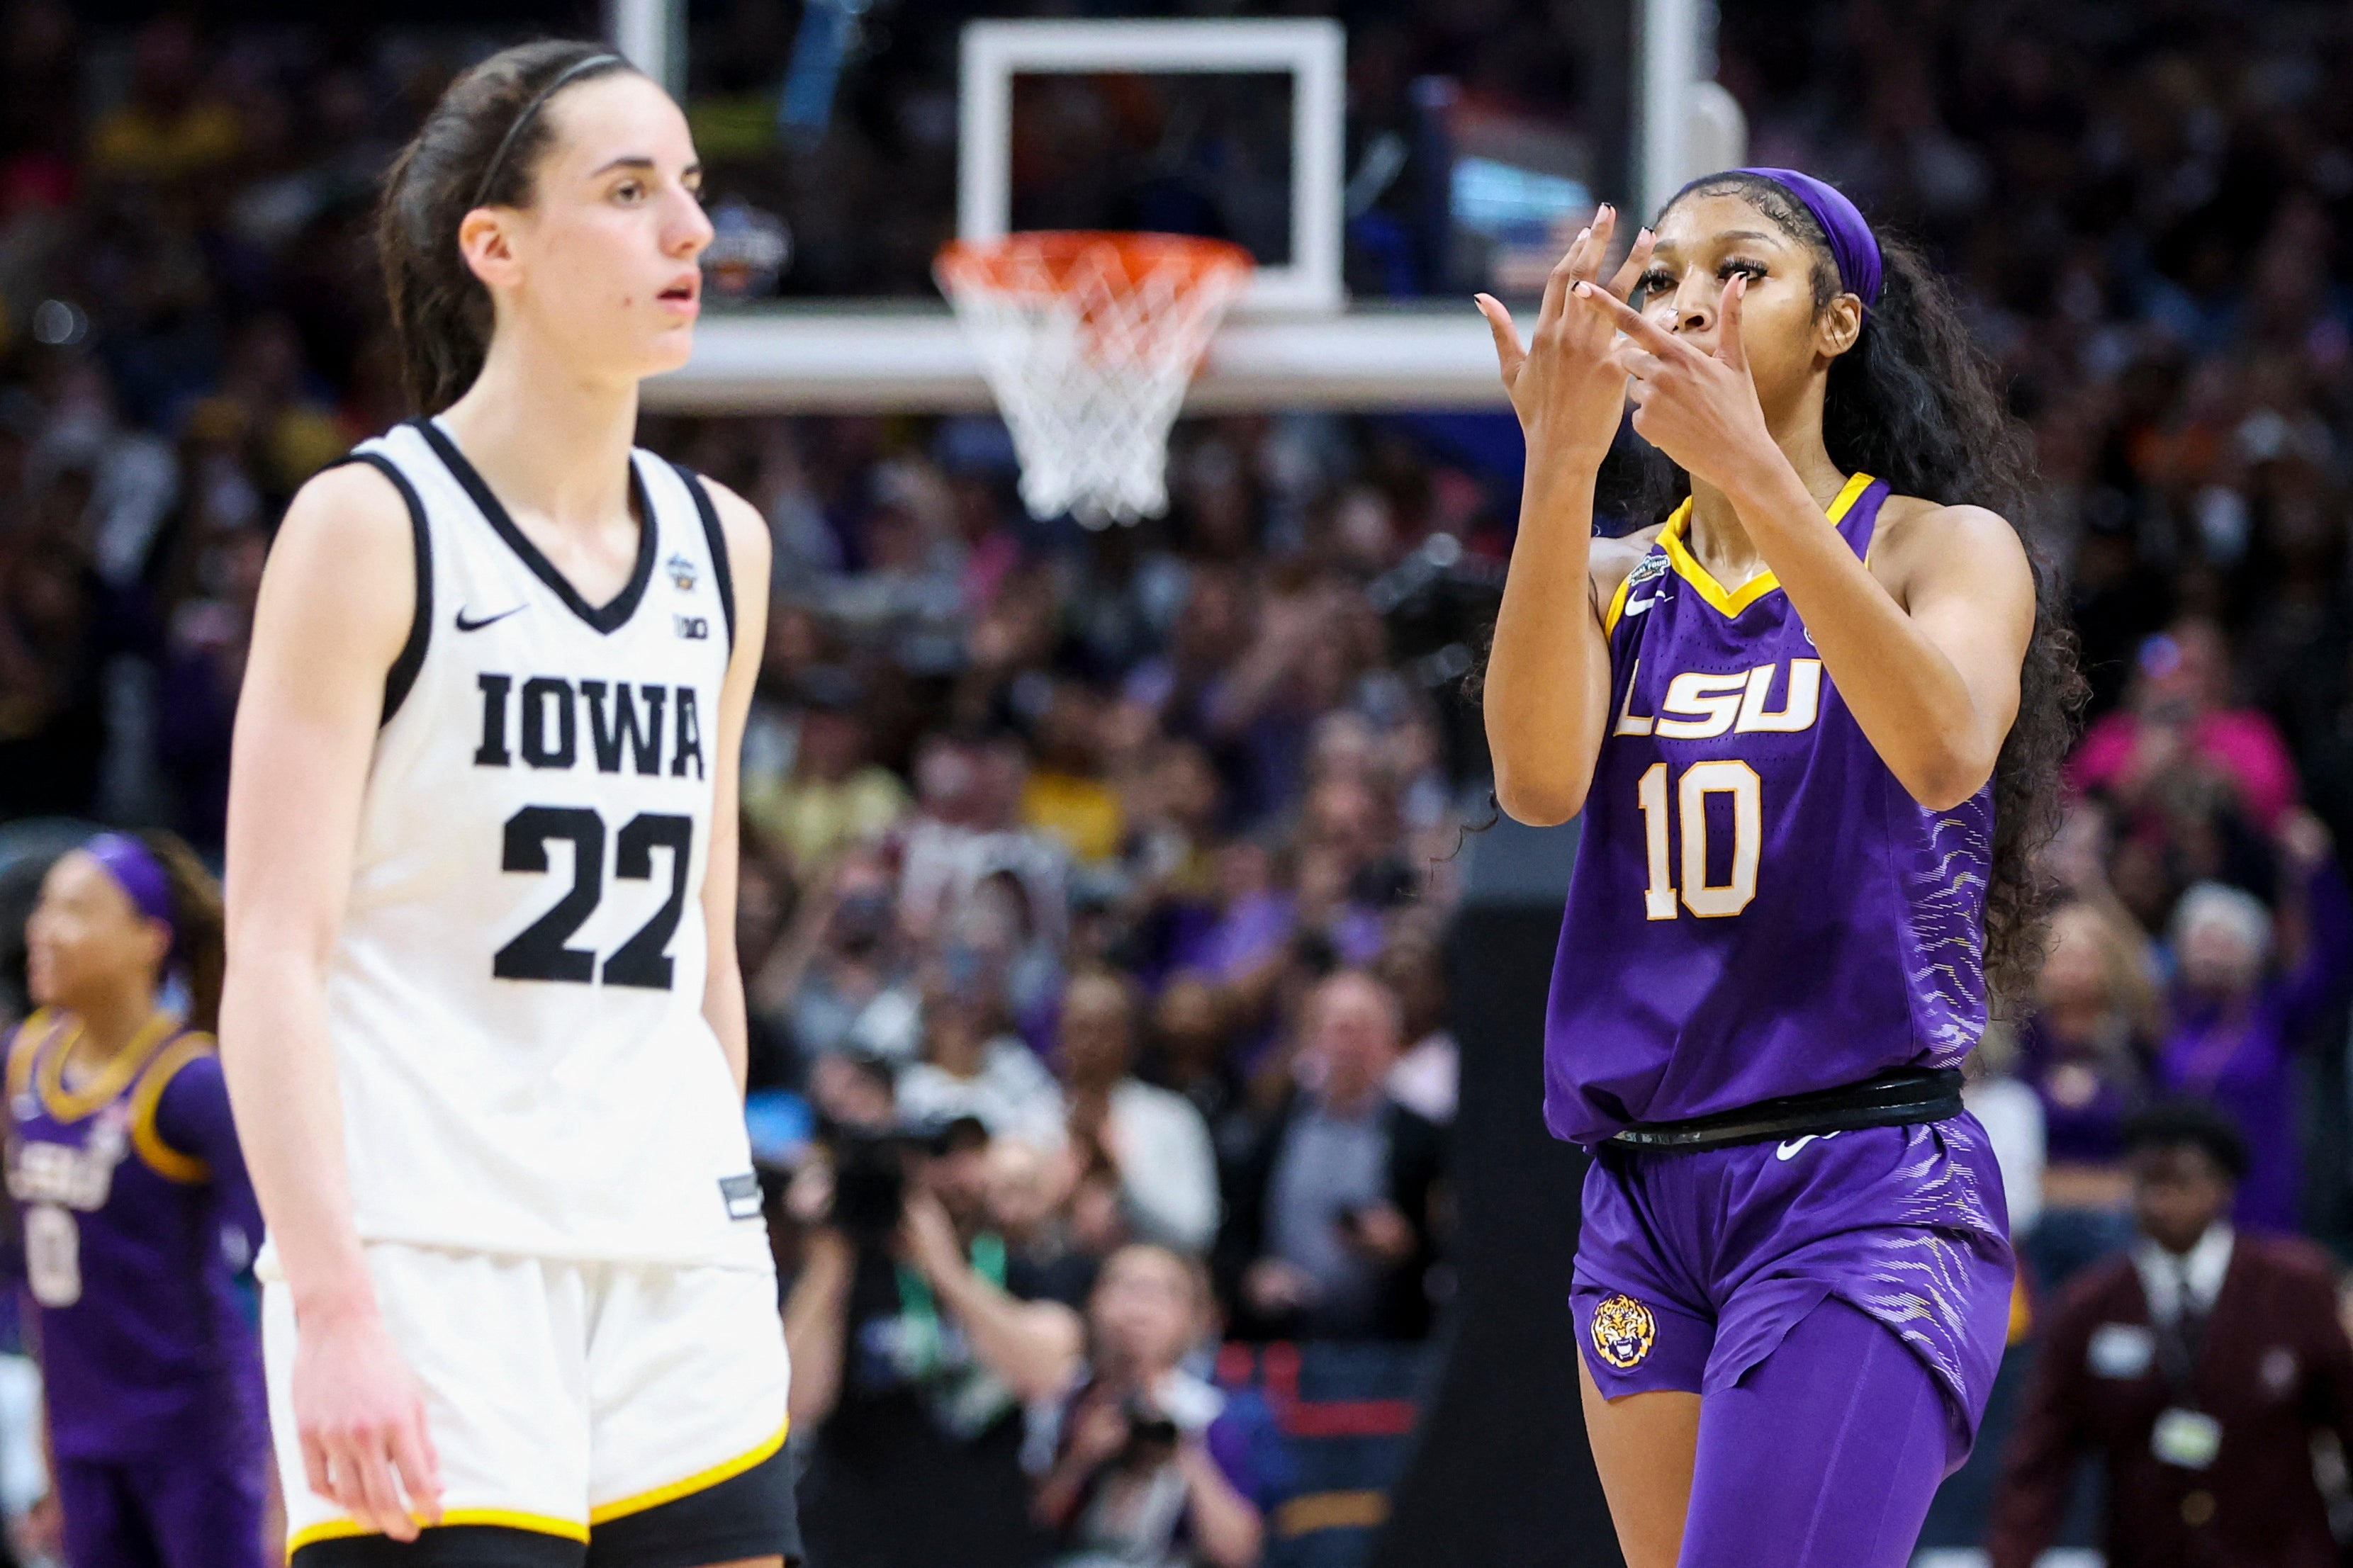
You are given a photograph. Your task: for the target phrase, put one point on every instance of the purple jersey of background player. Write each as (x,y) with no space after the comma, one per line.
(1759,909)
(132,1191)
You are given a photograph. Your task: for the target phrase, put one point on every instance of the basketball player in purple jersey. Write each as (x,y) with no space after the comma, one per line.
(124,1164)
(1812,721)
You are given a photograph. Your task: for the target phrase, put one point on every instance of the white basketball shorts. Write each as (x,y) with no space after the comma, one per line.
(610,1415)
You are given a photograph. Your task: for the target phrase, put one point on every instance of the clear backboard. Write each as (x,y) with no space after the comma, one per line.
(1376,192)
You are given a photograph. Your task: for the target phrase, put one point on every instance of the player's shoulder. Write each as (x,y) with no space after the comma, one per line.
(356,503)
(186,1074)
(741,526)
(190,1059)
(348,563)
(1914,533)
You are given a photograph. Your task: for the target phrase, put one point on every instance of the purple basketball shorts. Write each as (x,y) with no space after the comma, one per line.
(189,1508)
(1693,1267)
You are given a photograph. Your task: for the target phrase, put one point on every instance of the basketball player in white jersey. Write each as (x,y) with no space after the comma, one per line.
(483,1023)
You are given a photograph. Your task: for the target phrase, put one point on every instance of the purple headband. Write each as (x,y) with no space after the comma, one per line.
(1852,246)
(138,873)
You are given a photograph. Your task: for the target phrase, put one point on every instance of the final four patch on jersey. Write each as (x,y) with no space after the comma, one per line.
(1654,564)
(1623,1332)
(681,573)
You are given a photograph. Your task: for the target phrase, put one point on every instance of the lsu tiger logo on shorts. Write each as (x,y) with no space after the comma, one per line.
(1623,1332)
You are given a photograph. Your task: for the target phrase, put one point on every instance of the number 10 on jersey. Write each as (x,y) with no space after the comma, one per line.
(1703,898)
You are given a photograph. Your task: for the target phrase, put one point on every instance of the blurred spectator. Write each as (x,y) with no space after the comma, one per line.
(2174,729)
(972,1066)
(836,796)
(171,127)
(2012,1114)
(916,1337)
(1030,1194)
(2248,995)
(2085,1049)
(1150,1142)
(1189,1049)
(1065,795)
(964,838)
(1427,1079)
(842,977)
(1330,1232)
(1153,1467)
(59,625)
(2198,1369)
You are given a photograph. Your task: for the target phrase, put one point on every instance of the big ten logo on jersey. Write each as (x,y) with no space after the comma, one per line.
(536,720)
(1699,706)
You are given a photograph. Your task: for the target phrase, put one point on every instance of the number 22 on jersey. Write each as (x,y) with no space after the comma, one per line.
(538,952)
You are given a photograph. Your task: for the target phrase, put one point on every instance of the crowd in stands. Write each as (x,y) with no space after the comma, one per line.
(1095,885)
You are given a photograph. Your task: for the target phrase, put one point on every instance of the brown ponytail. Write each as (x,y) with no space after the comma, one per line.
(480,146)
(196,921)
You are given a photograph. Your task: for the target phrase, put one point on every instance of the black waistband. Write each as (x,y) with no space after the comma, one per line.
(1897,1099)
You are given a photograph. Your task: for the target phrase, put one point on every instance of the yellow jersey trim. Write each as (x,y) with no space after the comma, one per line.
(1618,603)
(702,1480)
(161,1157)
(510,1518)
(25,1051)
(73,1104)
(1731,601)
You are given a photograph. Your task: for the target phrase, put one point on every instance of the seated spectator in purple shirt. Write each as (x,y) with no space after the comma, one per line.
(1153,1467)
(2084,1049)
(2249,995)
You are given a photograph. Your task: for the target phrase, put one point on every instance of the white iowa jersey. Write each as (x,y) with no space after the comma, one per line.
(516,995)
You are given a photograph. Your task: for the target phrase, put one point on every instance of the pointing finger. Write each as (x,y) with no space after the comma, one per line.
(1637,259)
(1563,277)
(1728,347)
(1629,320)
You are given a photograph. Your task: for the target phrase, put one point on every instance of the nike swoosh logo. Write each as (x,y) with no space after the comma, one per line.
(1789,1147)
(1640,606)
(466,626)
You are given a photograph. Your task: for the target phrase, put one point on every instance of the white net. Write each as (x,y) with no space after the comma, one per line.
(1088,341)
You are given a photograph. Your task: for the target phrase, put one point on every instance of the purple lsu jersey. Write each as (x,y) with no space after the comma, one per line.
(1760,908)
(144,1344)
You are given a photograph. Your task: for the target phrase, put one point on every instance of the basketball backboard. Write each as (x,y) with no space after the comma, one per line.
(1376,188)
(1231,129)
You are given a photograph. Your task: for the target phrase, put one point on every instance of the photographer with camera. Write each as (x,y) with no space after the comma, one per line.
(1153,1467)
(917,1338)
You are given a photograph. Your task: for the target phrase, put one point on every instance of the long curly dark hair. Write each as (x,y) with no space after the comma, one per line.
(1917,403)
(440,311)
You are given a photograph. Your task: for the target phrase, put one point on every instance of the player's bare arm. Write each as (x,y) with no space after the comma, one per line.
(748,550)
(1546,695)
(336,603)
(1924,642)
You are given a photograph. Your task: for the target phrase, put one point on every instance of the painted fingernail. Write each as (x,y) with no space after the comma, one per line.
(1585,234)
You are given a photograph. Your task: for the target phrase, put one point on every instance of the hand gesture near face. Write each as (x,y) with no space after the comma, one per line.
(1700,407)
(1565,383)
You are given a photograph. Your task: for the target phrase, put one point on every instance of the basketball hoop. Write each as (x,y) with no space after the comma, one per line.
(1088,341)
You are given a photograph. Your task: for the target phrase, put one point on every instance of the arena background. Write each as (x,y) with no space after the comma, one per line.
(1247,715)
